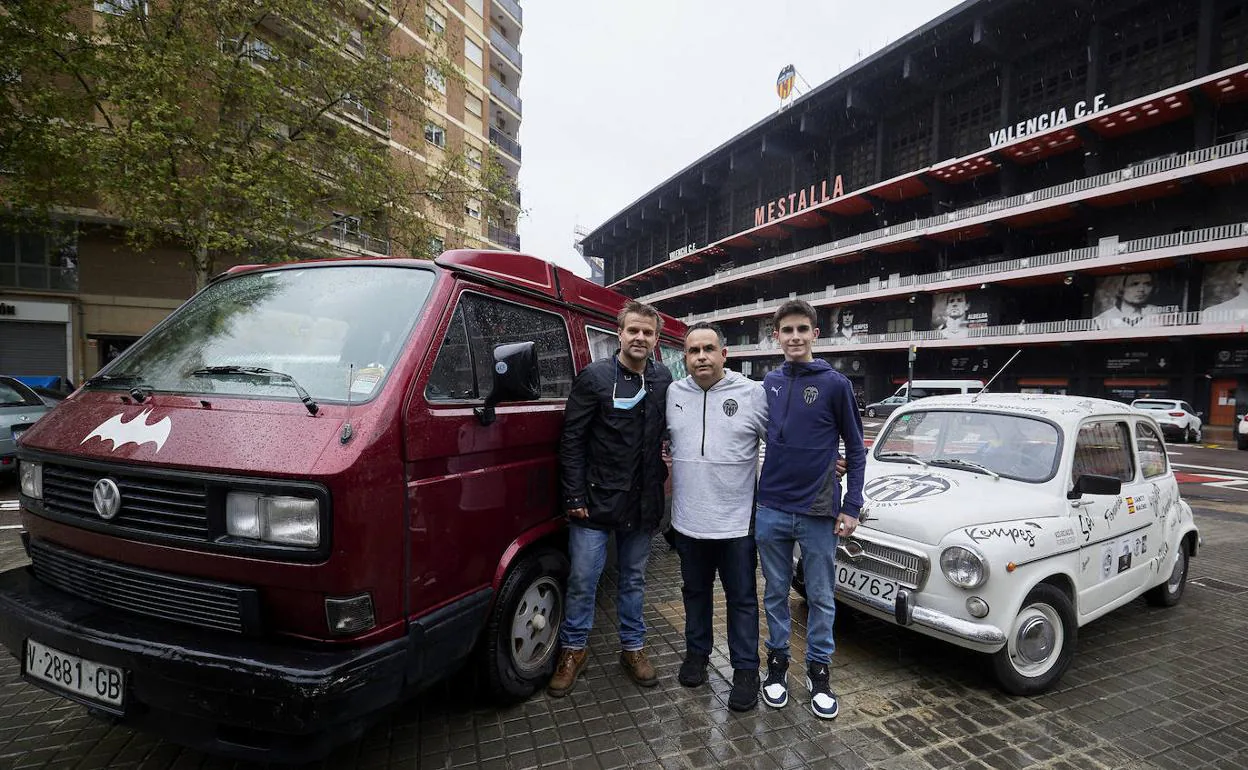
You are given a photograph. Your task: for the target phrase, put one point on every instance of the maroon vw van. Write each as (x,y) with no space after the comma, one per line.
(313,490)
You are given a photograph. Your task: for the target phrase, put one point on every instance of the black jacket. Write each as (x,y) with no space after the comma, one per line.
(595,449)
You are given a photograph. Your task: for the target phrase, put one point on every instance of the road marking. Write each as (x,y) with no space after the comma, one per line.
(1215,468)
(8,505)
(11,526)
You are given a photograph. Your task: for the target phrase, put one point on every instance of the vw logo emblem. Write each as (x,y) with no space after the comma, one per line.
(107,498)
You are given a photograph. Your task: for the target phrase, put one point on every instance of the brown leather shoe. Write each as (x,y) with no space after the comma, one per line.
(571,664)
(638,667)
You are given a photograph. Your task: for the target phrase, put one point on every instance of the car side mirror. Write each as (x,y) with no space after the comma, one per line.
(516,378)
(1094,484)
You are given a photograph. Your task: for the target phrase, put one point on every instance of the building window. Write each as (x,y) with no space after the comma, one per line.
(435,22)
(473,52)
(435,134)
(39,260)
(435,80)
(476,5)
(473,104)
(473,208)
(473,156)
(120,7)
(896,325)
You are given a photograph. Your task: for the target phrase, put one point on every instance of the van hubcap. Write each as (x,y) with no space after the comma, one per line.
(535,625)
(1037,640)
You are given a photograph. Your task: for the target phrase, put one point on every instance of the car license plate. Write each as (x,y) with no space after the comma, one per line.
(92,681)
(19,430)
(865,584)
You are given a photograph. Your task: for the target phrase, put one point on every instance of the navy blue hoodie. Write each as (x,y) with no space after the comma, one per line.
(811,410)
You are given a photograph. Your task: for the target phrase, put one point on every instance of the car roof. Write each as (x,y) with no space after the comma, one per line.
(1067,411)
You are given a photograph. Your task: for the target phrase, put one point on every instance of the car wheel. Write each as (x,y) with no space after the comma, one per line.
(1170,592)
(871,412)
(1039,644)
(522,635)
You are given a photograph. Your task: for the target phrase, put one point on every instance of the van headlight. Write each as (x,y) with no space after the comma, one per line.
(31,478)
(278,519)
(963,567)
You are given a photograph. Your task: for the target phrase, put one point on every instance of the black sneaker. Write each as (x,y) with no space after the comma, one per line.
(744,695)
(822,699)
(692,671)
(776,688)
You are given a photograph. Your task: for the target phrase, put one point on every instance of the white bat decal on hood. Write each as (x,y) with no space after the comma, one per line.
(136,431)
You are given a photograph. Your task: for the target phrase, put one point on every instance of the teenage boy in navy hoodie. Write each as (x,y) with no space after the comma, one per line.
(812,410)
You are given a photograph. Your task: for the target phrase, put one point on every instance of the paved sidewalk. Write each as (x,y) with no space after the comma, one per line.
(1149,688)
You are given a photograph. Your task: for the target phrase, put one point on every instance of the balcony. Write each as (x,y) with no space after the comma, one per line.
(373,119)
(504,95)
(509,51)
(350,239)
(504,143)
(504,237)
(513,9)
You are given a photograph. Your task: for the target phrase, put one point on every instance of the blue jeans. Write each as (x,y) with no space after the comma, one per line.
(588,550)
(736,561)
(776,532)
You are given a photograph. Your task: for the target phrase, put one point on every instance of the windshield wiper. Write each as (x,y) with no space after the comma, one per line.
(139,392)
(260,371)
(965,464)
(911,456)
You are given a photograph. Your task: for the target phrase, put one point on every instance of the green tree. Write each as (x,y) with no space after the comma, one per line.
(234,128)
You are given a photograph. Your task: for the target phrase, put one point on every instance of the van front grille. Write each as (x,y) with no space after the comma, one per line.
(174,598)
(909,569)
(162,505)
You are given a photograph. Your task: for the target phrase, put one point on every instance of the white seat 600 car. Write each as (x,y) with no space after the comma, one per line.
(1004,522)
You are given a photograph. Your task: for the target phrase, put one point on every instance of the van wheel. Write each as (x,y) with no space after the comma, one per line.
(1170,592)
(1040,643)
(522,635)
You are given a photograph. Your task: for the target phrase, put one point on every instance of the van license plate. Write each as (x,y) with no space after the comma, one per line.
(93,681)
(865,584)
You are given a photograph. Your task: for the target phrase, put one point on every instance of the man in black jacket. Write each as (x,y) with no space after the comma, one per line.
(613,474)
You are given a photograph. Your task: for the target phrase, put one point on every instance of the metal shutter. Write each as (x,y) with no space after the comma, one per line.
(32,348)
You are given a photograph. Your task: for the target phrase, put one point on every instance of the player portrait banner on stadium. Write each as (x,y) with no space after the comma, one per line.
(1224,291)
(1138,299)
(848,323)
(955,313)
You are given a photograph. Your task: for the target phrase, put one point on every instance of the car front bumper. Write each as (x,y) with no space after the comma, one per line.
(905,611)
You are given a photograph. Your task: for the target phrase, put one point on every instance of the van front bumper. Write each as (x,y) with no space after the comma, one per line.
(229,695)
(905,611)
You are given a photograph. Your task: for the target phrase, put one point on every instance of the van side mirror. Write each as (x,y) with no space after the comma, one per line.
(1094,484)
(516,378)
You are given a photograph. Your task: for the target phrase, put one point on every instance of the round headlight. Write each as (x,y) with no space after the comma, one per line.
(963,567)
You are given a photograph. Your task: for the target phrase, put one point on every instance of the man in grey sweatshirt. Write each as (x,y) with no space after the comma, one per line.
(716,419)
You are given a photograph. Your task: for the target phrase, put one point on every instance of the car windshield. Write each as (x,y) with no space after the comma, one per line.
(1014,446)
(14,393)
(1159,405)
(316,324)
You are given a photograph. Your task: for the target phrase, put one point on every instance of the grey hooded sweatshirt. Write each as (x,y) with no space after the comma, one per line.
(715,435)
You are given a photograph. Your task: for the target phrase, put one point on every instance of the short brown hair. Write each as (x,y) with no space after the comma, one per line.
(633,307)
(795,307)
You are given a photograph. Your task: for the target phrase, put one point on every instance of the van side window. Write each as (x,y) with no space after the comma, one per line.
(491,322)
(452,377)
(602,343)
(1104,449)
(1151,449)
(674,359)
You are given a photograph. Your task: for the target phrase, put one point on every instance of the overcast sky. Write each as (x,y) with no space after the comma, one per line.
(619,96)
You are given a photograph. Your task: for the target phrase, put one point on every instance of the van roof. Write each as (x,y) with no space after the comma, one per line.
(519,272)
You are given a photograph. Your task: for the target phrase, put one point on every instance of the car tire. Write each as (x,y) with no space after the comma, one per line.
(522,636)
(1040,643)
(870,412)
(1170,592)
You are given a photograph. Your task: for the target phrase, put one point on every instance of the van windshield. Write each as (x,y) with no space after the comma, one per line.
(317,324)
(1019,447)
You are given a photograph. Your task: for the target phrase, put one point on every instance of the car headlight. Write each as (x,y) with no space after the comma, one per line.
(278,519)
(32,479)
(963,567)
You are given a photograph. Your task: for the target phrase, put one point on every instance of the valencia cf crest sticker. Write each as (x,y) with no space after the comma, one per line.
(730,407)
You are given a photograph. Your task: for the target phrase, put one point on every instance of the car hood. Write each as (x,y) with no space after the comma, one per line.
(925,504)
(249,436)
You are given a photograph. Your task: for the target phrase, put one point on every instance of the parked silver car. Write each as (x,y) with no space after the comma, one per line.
(20,408)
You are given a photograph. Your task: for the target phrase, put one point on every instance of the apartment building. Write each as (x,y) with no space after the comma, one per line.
(1065,179)
(71,302)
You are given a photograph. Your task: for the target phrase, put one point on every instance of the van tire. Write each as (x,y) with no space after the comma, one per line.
(1170,592)
(1046,607)
(519,649)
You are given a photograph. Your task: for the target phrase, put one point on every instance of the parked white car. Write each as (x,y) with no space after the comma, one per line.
(1004,522)
(1178,420)
(1241,435)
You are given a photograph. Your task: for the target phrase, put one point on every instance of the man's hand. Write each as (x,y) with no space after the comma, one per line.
(841,467)
(845,525)
(578,513)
